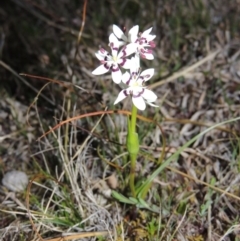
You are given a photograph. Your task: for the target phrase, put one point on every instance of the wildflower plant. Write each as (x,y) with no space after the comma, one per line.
(127,50)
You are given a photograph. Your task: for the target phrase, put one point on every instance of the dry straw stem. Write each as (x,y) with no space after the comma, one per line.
(173,150)
(82,27)
(148,120)
(204,183)
(110,112)
(30,215)
(124,112)
(72,175)
(66,236)
(79,235)
(185,71)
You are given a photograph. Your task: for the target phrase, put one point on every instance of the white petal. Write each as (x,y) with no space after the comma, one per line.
(100,70)
(148,56)
(121,96)
(135,64)
(114,54)
(127,64)
(121,43)
(149,96)
(117,76)
(127,50)
(153,105)
(100,56)
(133,33)
(119,33)
(125,77)
(151,37)
(102,51)
(137,90)
(139,103)
(113,41)
(147,74)
(137,58)
(131,48)
(146,33)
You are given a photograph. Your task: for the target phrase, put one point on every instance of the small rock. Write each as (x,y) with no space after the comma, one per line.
(15,181)
(112,181)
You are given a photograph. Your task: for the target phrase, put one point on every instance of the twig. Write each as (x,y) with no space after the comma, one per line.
(185,71)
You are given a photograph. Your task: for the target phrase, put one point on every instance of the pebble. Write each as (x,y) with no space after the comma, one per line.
(15,181)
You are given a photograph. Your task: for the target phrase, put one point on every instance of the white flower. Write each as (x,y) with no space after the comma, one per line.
(114,61)
(145,44)
(136,87)
(130,38)
(144,41)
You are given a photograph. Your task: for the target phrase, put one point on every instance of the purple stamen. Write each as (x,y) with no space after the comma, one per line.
(139,94)
(114,68)
(107,66)
(123,61)
(103,51)
(125,93)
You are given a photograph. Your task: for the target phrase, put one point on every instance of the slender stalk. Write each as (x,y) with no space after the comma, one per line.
(133,159)
(133,119)
(133,148)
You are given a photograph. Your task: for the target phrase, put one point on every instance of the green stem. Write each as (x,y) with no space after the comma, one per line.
(133,118)
(133,159)
(133,148)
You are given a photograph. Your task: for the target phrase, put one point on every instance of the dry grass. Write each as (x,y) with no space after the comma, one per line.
(74,169)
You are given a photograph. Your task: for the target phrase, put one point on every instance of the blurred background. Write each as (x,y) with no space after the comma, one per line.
(40,37)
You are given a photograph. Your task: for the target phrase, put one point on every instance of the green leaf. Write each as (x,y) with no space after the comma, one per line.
(143,203)
(134,200)
(122,198)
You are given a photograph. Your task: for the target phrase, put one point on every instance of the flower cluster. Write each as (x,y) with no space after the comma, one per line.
(135,44)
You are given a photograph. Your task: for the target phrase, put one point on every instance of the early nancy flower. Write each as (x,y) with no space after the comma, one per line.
(145,44)
(136,87)
(144,41)
(114,61)
(131,37)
